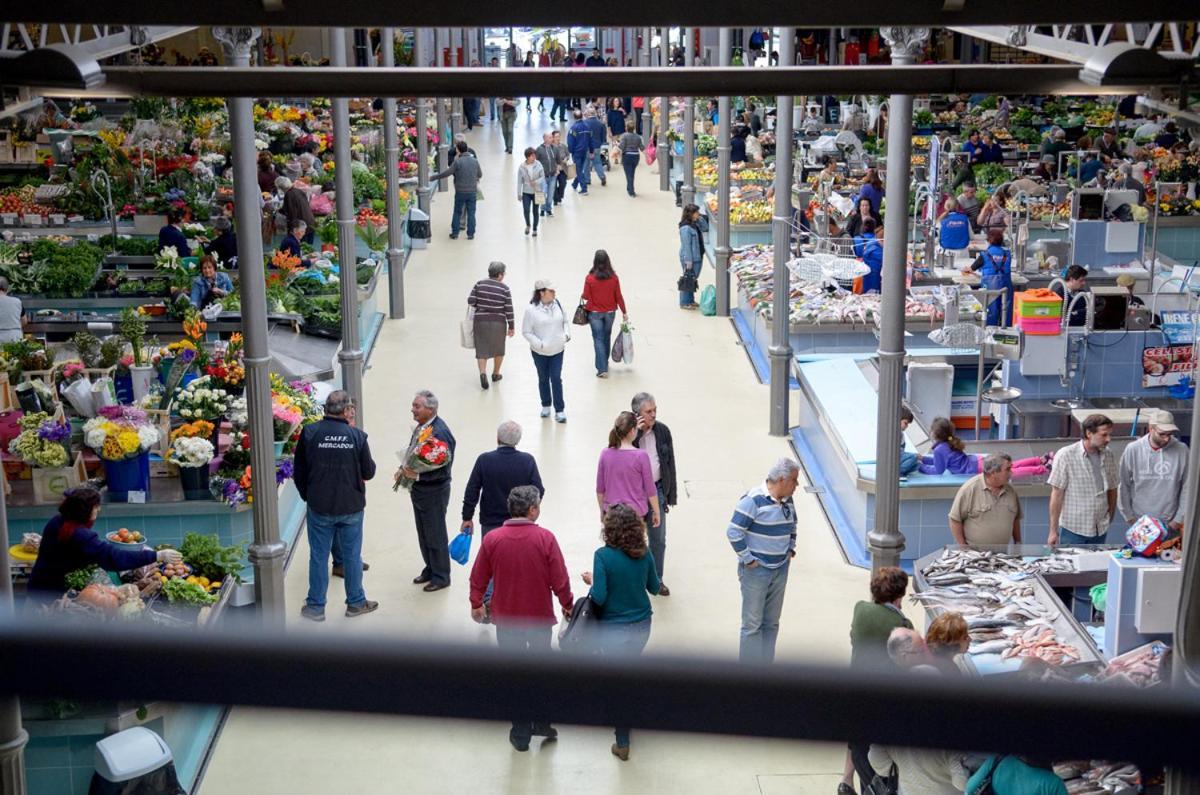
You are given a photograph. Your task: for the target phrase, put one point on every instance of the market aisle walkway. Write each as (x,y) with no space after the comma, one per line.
(706,393)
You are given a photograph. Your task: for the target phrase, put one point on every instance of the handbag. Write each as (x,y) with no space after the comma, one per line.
(539,197)
(581,315)
(466,331)
(688,283)
(884,785)
(578,634)
(618,348)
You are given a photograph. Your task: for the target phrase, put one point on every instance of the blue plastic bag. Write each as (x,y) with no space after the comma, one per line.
(460,548)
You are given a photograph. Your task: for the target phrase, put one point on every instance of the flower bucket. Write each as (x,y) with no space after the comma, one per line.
(142,376)
(194,481)
(77,431)
(164,368)
(124,387)
(188,378)
(122,477)
(279,449)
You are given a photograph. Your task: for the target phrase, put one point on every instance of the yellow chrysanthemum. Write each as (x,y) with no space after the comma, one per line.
(112,449)
(129,442)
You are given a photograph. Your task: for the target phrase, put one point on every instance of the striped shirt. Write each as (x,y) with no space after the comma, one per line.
(763,528)
(492,301)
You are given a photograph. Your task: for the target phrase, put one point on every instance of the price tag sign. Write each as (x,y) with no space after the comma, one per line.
(136,496)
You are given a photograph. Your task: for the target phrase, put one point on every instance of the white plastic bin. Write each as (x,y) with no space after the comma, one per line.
(930,385)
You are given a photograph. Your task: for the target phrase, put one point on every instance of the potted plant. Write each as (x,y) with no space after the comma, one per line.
(201,400)
(133,330)
(122,437)
(192,454)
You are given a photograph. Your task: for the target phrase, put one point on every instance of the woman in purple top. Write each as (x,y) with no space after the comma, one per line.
(623,475)
(949,456)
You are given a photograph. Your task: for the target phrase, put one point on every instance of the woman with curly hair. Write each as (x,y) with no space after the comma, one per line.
(622,574)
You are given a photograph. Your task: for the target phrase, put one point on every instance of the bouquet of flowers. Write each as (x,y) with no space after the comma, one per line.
(200,400)
(191,451)
(236,488)
(227,369)
(42,442)
(120,432)
(200,429)
(286,416)
(429,454)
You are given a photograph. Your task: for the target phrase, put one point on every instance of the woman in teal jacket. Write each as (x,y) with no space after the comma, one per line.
(692,227)
(622,574)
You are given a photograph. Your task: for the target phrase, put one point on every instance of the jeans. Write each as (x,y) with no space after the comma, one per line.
(657,536)
(549,372)
(548,189)
(909,463)
(599,164)
(471,111)
(629,162)
(322,530)
(687,298)
(559,108)
(619,639)
(525,640)
(463,201)
(506,128)
(492,109)
(583,172)
(602,325)
(1081,597)
(560,187)
(528,203)
(762,604)
(429,509)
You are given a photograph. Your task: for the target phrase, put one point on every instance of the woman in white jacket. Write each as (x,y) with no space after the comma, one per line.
(545,326)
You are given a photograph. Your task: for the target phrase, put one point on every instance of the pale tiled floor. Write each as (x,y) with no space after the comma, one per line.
(706,393)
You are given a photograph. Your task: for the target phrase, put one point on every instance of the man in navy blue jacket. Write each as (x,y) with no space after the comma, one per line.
(333,463)
(579,144)
(599,135)
(430,496)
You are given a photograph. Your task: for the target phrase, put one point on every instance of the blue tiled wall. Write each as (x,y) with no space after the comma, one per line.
(1181,244)
(1113,368)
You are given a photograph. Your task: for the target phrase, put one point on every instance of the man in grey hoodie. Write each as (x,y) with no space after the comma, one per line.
(547,155)
(1153,473)
(467,173)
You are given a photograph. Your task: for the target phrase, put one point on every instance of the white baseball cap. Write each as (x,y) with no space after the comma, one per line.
(544,284)
(1165,421)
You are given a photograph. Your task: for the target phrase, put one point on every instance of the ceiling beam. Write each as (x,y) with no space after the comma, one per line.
(1038,43)
(473,13)
(700,81)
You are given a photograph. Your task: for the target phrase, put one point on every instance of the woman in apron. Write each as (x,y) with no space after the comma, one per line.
(995,266)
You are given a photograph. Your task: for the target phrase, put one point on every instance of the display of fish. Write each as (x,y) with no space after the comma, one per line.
(991,647)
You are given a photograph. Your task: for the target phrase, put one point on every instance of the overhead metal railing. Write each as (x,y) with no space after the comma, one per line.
(303,81)
(687,694)
(866,13)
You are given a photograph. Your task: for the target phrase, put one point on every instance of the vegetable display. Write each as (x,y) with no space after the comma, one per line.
(78,579)
(177,590)
(209,559)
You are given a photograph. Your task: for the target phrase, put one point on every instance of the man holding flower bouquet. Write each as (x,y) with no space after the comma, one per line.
(425,472)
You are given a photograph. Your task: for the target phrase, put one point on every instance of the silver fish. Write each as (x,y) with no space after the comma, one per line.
(990,647)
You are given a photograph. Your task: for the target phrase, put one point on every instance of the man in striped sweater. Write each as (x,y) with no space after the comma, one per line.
(763,534)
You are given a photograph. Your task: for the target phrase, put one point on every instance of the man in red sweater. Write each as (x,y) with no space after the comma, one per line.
(525,565)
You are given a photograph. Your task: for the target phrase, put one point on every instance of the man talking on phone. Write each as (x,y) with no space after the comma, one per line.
(655,439)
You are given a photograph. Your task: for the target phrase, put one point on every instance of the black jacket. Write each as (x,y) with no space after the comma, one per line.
(494,475)
(666,461)
(58,557)
(333,463)
(439,477)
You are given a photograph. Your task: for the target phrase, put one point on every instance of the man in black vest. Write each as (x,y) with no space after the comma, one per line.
(655,439)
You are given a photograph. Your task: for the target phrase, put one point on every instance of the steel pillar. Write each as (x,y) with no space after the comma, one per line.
(780,352)
(443,146)
(688,191)
(267,553)
(391,149)
(421,57)
(350,355)
(721,255)
(886,541)
(664,147)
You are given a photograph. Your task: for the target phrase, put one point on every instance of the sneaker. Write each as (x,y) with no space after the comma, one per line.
(603,182)
(361,610)
(454,235)
(470,237)
(621,752)
(545,411)
(526,230)
(313,613)
(560,416)
(520,745)
(602,375)
(535,233)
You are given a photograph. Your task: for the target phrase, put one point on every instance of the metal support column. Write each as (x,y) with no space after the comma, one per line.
(391,149)
(443,145)
(350,356)
(886,541)
(453,36)
(421,57)
(780,352)
(13,736)
(267,553)
(664,104)
(689,130)
(723,127)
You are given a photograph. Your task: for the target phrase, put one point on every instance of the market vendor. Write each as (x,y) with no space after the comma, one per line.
(968,203)
(12,315)
(1056,143)
(989,150)
(69,543)
(870,250)
(1127,282)
(296,206)
(291,241)
(1073,283)
(860,214)
(1108,146)
(224,246)
(954,227)
(211,285)
(1126,181)
(172,234)
(737,144)
(995,266)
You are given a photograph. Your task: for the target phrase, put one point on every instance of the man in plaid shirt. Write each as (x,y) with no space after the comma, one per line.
(1083,482)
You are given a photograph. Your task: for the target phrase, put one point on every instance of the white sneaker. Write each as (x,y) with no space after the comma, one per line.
(560,416)
(545,411)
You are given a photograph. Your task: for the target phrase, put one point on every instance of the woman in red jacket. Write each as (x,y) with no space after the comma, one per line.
(601,297)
